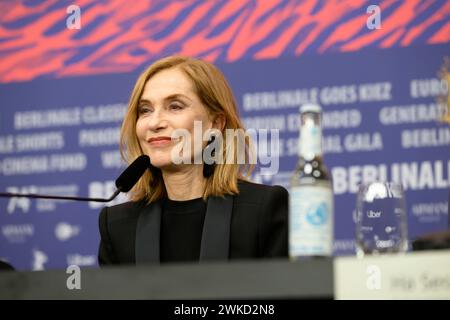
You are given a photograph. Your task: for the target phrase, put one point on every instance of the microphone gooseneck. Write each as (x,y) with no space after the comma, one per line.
(124,183)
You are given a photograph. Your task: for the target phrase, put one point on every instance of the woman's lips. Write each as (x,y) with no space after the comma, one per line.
(159,141)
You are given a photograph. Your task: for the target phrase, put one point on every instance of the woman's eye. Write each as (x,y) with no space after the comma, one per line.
(143,110)
(176,106)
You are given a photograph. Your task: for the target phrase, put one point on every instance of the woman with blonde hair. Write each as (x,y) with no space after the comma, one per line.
(182,209)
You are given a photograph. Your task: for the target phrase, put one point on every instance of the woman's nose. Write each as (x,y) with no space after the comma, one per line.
(157,121)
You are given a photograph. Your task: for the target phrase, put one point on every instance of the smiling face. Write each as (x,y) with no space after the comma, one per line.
(168,102)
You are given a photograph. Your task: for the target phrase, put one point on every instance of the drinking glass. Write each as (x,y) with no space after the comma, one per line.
(381,222)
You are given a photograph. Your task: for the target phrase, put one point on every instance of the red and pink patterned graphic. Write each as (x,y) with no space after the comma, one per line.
(125,35)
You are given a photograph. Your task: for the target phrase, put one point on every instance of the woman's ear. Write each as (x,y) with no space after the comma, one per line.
(219,122)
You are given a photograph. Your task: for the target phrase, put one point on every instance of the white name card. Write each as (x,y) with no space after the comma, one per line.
(414,275)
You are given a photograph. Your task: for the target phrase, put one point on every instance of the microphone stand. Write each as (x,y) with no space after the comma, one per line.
(39,196)
(124,183)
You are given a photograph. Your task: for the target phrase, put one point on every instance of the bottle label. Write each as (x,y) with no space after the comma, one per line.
(310,221)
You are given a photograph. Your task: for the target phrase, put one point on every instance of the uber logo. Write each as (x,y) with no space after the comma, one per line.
(373,214)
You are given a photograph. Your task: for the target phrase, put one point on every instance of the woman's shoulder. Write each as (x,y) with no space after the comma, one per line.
(245,185)
(256,192)
(126,210)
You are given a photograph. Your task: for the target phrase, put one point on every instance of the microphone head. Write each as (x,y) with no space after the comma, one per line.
(133,173)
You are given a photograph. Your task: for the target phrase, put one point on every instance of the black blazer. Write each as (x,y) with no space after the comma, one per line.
(252,224)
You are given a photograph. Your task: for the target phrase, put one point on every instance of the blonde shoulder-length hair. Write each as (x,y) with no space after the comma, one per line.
(215,94)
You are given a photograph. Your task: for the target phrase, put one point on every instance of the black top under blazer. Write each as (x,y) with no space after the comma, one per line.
(252,224)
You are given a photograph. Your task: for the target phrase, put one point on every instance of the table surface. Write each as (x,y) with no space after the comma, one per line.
(257,279)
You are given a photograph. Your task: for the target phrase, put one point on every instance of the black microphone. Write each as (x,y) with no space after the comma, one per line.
(132,174)
(124,183)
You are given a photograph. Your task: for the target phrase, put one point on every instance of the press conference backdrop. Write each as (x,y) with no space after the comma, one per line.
(63,92)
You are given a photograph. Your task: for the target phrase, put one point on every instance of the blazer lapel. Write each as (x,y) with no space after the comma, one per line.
(215,241)
(216,229)
(147,234)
